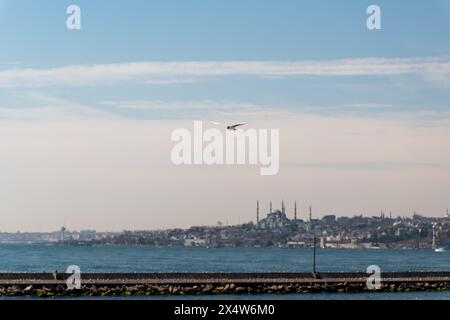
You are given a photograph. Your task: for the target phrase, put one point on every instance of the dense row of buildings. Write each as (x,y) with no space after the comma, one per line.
(276,229)
(55,237)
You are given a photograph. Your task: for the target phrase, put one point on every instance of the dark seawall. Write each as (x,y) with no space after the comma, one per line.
(130,284)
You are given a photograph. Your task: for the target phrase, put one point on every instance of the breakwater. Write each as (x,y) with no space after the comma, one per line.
(141,284)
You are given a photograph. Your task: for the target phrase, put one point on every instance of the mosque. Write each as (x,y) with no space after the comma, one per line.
(278,218)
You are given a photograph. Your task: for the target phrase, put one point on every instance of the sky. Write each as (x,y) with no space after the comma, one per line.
(86,115)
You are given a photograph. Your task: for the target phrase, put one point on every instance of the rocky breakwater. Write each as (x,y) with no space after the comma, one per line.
(43,285)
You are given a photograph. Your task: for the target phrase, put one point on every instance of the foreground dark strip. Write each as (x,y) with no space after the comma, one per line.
(223,309)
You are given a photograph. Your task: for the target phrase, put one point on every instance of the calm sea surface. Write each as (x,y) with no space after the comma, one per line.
(38,258)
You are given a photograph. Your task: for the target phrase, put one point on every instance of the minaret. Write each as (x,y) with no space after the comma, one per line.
(270,206)
(295,210)
(310,213)
(282,207)
(433,245)
(257,212)
(63,229)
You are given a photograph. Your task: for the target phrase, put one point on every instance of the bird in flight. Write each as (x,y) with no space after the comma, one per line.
(233,127)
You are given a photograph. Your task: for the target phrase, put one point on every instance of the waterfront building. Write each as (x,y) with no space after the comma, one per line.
(276,219)
(329,219)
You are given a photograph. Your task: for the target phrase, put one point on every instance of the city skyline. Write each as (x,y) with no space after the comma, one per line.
(292,212)
(275,229)
(86,116)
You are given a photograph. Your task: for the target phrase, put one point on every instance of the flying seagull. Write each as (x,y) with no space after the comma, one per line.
(233,127)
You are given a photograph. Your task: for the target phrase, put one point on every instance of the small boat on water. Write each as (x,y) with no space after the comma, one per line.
(440,250)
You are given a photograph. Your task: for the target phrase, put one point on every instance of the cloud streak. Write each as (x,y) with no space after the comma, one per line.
(199,108)
(50,108)
(434,68)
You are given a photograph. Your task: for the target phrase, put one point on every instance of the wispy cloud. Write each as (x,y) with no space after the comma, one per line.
(199,108)
(51,108)
(434,68)
(38,106)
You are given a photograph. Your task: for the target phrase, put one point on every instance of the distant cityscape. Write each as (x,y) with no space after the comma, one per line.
(275,229)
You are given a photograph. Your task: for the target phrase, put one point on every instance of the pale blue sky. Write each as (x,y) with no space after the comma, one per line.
(33,32)
(34,35)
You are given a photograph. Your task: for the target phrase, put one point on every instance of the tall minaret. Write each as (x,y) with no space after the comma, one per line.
(270,206)
(433,245)
(295,210)
(310,213)
(257,212)
(282,207)
(63,229)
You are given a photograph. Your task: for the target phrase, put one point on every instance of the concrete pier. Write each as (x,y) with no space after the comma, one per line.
(129,284)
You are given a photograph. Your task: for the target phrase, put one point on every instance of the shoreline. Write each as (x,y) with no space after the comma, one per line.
(358,248)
